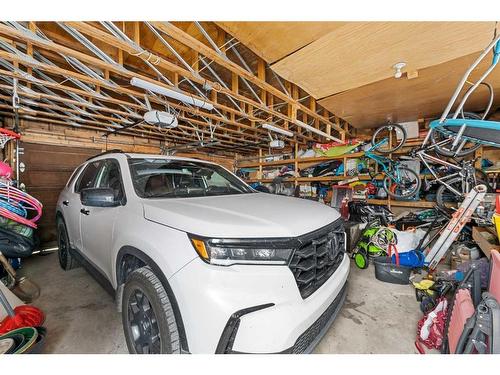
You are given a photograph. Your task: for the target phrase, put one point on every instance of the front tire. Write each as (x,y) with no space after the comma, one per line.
(147,315)
(387,132)
(66,259)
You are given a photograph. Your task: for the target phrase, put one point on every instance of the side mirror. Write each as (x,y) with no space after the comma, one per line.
(99,197)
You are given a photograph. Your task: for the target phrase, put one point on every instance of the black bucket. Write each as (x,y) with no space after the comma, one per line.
(389,272)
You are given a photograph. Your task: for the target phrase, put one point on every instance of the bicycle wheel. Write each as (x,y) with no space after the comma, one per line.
(390,132)
(406,185)
(467,148)
(445,195)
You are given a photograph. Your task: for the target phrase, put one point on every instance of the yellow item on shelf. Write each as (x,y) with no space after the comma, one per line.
(496,220)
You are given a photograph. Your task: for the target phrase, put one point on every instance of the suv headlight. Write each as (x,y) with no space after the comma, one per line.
(225,252)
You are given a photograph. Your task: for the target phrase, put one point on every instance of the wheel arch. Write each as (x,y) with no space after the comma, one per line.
(145,260)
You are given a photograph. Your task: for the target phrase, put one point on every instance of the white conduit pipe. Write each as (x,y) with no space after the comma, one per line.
(316,131)
(146,85)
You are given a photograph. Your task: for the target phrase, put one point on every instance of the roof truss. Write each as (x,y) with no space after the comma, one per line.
(78,74)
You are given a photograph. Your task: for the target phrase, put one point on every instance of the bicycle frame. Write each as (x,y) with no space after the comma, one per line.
(426,158)
(389,167)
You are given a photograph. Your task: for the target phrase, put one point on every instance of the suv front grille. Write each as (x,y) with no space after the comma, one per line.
(308,339)
(318,257)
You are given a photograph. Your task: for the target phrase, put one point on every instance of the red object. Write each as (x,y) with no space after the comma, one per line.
(371,189)
(436,331)
(462,310)
(392,250)
(494,287)
(10,133)
(344,209)
(497,204)
(25,316)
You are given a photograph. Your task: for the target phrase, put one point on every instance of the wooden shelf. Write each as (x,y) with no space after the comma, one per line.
(312,179)
(395,203)
(318,159)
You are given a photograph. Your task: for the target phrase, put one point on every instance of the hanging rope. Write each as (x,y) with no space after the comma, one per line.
(15,204)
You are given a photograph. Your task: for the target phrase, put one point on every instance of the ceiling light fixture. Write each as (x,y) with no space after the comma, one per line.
(317,131)
(161,119)
(397,69)
(277,129)
(188,99)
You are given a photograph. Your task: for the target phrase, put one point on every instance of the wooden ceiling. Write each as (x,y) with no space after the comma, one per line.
(273,41)
(406,99)
(347,66)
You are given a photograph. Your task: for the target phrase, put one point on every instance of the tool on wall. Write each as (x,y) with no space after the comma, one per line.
(16,104)
(455,225)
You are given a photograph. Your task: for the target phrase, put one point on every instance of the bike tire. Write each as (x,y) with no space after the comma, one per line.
(387,183)
(441,191)
(389,128)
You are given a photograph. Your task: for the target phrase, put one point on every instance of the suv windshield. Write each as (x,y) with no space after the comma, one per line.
(167,178)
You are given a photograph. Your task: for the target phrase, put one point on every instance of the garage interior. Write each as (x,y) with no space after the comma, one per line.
(293,109)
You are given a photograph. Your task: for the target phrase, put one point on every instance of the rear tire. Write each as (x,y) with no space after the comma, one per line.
(147,315)
(66,259)
(436,137)
(442,191)
(408,194)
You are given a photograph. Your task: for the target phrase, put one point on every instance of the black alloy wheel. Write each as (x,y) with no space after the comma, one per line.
(143,324)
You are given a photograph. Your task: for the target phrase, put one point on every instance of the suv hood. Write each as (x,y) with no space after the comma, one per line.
(241,216)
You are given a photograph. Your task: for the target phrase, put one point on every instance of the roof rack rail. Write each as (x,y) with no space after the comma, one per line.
(114,151)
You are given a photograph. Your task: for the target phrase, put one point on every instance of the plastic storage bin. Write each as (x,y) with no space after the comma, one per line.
(389,272)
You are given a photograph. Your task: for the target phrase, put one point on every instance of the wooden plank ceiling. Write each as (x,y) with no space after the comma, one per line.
(273,41)
(347,67)
(78,74)
(405,99)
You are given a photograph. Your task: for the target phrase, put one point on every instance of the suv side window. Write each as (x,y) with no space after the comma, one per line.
(88,176)
(110,177)
(75,173)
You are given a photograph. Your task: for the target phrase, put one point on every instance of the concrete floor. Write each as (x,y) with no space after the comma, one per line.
(81,317)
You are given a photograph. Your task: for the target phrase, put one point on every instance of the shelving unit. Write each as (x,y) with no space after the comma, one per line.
(305,162)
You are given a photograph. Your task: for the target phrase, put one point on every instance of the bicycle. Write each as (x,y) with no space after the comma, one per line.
(456,180)
(399,182)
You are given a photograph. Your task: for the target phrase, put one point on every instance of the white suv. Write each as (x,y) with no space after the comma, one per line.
(200,262)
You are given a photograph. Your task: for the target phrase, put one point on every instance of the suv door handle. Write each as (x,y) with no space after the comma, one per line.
(65,203)
(85,211)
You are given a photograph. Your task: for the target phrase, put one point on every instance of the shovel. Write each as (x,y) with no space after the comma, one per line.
(22,287)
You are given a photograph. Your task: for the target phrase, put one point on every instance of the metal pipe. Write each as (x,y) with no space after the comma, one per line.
(464,79)
(221,82)
(207,37)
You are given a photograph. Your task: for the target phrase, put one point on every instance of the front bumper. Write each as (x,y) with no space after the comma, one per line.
(209,296)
